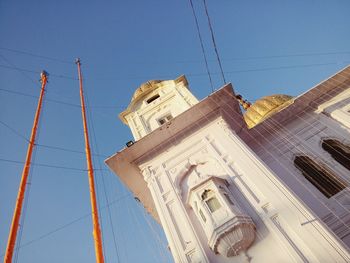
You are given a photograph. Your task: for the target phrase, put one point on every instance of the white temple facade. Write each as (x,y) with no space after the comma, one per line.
(267,185)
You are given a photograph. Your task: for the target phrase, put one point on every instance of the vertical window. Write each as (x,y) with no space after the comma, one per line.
(202,216)
(213,204)
(320,176)
(165,119)
(210,199)
(339,151)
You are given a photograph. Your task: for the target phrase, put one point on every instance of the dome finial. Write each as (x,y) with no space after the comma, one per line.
(244,103)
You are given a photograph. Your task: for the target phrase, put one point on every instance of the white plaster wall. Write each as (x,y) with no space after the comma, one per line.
(304,136)
(286,230)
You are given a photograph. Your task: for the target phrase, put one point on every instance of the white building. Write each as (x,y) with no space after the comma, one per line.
(267,185)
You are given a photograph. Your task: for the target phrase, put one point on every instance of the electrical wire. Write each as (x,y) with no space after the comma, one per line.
(89,112)
(155,233)
(37,72)
(68,150)
(138,224)
(46,165)
(118,188)
(269,69)
(29,183)
(23,72)
(235,119)
(60,101)
(199,74)
(19,93)
(202,45)
(214,42)
(304,54)
(14,131)
(36,55)
(287,169)
(47,146)
(66,225)
(267,57)
(35,97)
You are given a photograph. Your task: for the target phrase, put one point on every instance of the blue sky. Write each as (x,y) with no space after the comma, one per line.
(266,47)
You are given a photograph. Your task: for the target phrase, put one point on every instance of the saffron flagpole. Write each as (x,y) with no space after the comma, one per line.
(26,169)
(96,225)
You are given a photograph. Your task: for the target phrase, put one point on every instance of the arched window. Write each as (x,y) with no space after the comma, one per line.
(210,199)
(320,176)
(339,151)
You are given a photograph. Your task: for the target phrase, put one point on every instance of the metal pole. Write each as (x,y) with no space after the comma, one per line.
(26,169)
(96,231)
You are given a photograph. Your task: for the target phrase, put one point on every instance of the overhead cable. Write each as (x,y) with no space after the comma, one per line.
(36,55)
(44,145)
(94,140)
(303,54)
(23,72)
(202,45)
(60,101)
(45,165)
(36,72)
(214,42)
(14,131)
(217,73)
(57,229)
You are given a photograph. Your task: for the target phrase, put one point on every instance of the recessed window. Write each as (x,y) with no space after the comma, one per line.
(319,175)
(153,98)
(210,199)
(339,151)
(213,204)
(165,119)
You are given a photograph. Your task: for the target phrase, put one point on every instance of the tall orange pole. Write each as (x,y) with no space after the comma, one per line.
(26,169)
(96,231)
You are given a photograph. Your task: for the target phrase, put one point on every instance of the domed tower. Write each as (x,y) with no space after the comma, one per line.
(156,102)
(203,170)
(265,107)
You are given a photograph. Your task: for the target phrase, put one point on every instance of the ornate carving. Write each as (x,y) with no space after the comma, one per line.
(239,237)
(228,229)
(147,174)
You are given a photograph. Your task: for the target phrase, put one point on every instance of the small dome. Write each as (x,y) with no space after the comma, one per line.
(144,89)
(264,108)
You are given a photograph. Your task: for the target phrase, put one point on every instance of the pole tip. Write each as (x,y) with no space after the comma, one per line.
(44,74)
(77,61)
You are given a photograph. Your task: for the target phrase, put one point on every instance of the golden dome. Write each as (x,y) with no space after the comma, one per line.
(144,89)
(264,108)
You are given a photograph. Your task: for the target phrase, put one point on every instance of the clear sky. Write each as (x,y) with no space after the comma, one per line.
(266,47)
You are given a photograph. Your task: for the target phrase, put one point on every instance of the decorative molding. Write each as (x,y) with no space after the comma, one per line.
(293,246)
(147,174)
(234,237)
